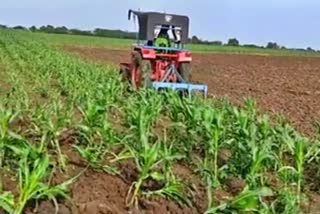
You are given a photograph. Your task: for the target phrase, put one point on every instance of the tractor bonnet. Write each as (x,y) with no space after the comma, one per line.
(149,20)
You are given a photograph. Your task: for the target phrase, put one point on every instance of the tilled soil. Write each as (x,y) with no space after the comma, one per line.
(281,85)
(96,192)
(287,85)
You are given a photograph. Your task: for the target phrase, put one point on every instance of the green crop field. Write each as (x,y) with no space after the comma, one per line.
(55,107)
(91,41)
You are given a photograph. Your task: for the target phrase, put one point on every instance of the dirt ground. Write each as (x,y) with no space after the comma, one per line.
(288,85)
(281,85)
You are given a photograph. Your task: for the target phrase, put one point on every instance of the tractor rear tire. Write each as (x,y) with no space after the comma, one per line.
(125,74)
(136,57)
(185,71)
(145,69)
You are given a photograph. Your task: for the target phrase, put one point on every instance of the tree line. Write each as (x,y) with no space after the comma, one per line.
(132,35)
(73,31)
(235,43)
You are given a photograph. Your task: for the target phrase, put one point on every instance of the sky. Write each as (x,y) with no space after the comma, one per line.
(292,23)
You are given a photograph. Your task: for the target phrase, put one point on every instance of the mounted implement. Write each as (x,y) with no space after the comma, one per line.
(159,59)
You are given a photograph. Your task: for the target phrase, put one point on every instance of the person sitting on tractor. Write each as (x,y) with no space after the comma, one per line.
(163,39)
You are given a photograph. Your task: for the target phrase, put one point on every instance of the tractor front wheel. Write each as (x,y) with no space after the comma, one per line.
(185,71)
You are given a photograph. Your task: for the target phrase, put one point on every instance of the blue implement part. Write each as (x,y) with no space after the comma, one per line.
(163,48)
(182,86)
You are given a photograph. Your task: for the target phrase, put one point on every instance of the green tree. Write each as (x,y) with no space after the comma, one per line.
(272,45)
(19,27)
(195,40)
(61,30)
(33,28)
(233,42)
(47,29)
(310,49)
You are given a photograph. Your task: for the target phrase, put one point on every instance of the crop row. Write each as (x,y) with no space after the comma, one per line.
(53,95)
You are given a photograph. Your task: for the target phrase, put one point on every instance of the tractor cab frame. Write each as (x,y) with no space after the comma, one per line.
(158,60)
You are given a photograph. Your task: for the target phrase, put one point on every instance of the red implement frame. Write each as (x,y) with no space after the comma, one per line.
(160,63)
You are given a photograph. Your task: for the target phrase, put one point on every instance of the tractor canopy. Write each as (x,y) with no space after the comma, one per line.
(148,22)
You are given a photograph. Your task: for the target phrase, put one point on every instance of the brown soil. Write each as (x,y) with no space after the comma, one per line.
(196,185)
(235,185)
(286,85)
(223,156)
(98,192)
(314,206)
(281,85)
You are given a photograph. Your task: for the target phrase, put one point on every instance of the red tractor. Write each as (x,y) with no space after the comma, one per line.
(159,59)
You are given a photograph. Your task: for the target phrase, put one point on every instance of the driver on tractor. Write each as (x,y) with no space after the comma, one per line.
(163,39)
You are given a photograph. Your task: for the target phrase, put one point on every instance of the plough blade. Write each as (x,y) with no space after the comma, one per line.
(181,86)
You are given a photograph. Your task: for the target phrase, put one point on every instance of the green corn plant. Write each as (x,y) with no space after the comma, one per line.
(31,178)
(29,181)
(286,202)
(150,163)
(98,135)
(17,97)
(19,148)
(146,105)
(239,134)
(296,173)
(171,153)
(51,122)
(172,189)
(246,202)
(250,106)
(109,90)
(95,154)
(265,130)
(152,159)
(141,115)
(212,123)
(313,152)
(175,107)
(191,126)
(300,160)
(93,114)
(180,131)
(7,201)
(285,137)
(146,160)
(251,144)
(6,135)
(44,84)
(242,123)
(260,154)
